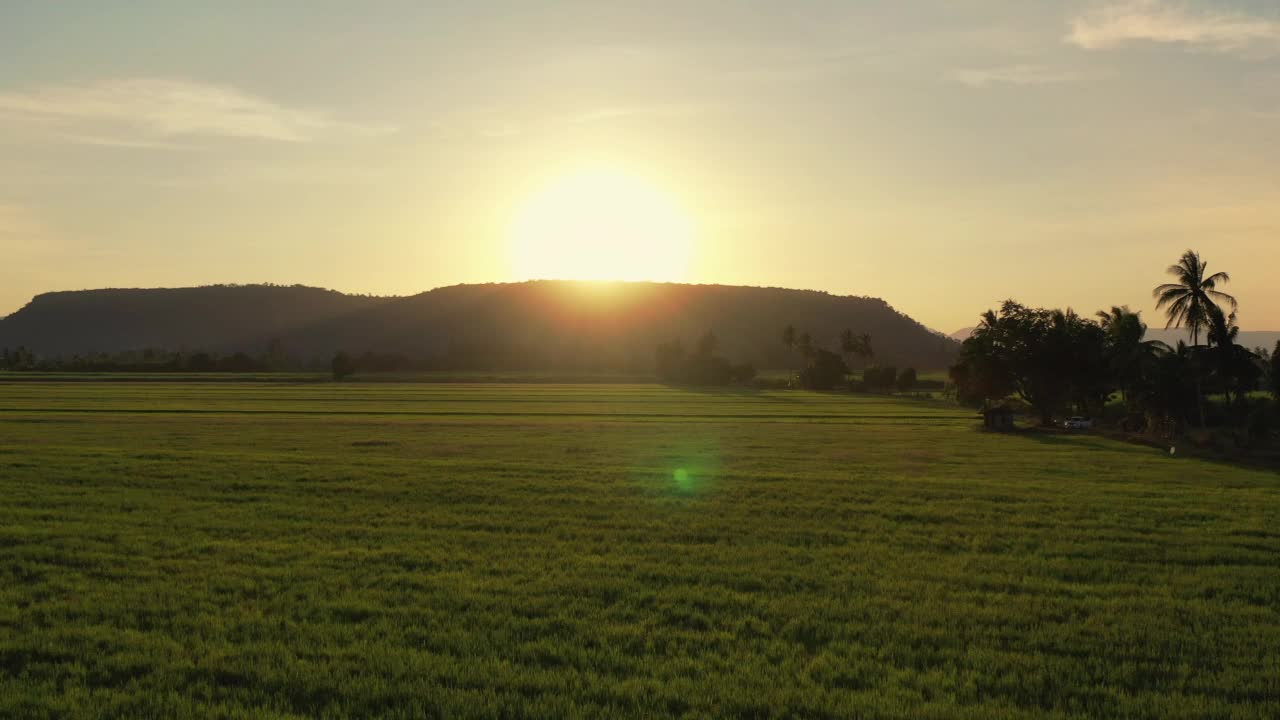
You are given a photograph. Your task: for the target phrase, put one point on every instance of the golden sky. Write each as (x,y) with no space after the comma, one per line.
(942,155)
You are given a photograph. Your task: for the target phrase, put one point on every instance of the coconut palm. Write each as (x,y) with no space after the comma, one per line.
(1171,392)
(804,342)
(1192,300)
(1238,369)
(1128,354)
(1187,302)
(860,345)
(789,337)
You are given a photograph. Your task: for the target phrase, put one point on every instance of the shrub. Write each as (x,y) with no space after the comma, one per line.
(343,366)
(1259,427)
(824,371)
(743,373)
(879,379)
(907,380)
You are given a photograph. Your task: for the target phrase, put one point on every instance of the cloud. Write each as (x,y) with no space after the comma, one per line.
(1157,21)
(117,112)
(1012,75)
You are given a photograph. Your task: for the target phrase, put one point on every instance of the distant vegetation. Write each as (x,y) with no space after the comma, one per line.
(700,367)
(1059,362)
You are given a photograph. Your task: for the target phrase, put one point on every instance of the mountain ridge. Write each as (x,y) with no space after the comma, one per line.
(541,323)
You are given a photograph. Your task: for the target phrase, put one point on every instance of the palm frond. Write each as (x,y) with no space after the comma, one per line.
(1220,296)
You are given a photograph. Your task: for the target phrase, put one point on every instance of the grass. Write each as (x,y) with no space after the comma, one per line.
(409,376)
(260,550)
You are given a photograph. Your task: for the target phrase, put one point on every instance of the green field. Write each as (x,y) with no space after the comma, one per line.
(259,549)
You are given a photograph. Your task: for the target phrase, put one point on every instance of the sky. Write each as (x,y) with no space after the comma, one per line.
(941,154)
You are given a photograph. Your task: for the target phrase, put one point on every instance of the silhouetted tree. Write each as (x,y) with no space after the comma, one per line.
(1236,367)
(982,376)
(1275,371)
(880,379)
(238,362)
(824,370)
(1171,395)
(703,367)
(907,380)
(789,337)
(342,366)
(276,359)
(805,344)
(202,362)
(1129,355)
(22,358)
(859,345)
(743,373)
(1049,358)
(1187,302)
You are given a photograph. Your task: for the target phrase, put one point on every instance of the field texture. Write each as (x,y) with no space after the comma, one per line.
(252,550)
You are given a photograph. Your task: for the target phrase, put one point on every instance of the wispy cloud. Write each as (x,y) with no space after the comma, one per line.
(134,112)
(1157,21)
(1012,75)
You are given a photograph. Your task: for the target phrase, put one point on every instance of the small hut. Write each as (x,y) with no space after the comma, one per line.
(998,418)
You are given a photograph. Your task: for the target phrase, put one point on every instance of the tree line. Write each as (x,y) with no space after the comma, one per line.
(818,367)
(273,359)
(1057,362)
(699,366)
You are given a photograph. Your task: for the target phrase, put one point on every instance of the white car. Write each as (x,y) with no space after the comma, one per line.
(1075,422)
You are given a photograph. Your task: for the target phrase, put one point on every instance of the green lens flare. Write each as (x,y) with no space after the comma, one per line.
(683,480)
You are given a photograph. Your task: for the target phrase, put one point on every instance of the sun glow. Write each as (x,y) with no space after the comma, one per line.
(600,225)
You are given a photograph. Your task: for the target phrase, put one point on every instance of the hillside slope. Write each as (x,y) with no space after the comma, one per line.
(552,324)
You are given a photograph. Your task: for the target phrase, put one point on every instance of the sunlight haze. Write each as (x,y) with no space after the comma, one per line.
(600,224)
(941,155)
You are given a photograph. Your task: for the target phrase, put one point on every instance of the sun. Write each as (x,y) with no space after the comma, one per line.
(600,224)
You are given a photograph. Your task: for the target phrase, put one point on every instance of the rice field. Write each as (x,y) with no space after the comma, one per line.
(260,549)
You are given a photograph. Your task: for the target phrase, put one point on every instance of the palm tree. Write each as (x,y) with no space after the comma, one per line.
(805,343)
(1191,301)
(859,345)
(1128,353)
(1170,393)
(848,341)
(1228,357)
(1187,302)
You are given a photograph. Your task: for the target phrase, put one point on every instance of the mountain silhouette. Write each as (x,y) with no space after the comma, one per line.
(529,325)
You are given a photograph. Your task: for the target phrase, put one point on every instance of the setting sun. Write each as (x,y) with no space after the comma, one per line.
(600,224)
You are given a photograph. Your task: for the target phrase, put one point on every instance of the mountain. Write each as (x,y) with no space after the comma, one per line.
(216,317)
(537,324)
